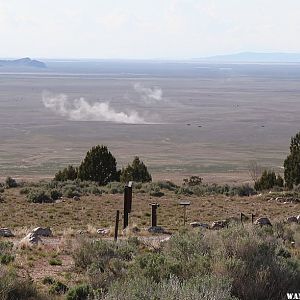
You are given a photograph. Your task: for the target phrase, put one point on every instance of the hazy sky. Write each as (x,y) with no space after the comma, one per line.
(146,28)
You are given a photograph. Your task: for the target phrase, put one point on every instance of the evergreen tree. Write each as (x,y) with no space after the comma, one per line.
(68,173)
(292,163)
(268,180)
(99,165)
(137,171)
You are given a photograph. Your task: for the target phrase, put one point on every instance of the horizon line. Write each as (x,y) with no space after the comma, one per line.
(151,58)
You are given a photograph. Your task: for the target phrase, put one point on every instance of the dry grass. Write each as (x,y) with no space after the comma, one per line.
(92,212)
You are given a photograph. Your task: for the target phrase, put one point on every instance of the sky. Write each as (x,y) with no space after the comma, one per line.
(146,29)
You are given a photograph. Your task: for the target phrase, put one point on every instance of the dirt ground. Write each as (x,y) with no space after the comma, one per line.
(99,211)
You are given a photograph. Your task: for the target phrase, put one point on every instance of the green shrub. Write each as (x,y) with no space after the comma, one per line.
(71,190)
(244,190)
(115,188)
(5,259)
(48,280)
(156,192)
(204,288)
(58,288)
(192,181)
(10,182)
(167,185)
(6,246)
(55,194)
(39,196)
(249,257)
(100,252)
(184,191)
(6,255)
(95,190)
(55,262)
(79,292)
(13,287)
(283,252)
(25,191)
(153,266)
(103,261)
(244,262)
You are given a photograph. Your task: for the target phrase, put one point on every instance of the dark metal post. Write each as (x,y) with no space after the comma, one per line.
(242,216)
(117,225)
(184,204)
(154,207)
(125,214)
(127,203)
(252,218)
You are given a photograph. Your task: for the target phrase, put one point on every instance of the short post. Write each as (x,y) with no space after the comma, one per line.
(252,218)
(242,216)
(117,225)
(154,207)
(184,204)
(127,202)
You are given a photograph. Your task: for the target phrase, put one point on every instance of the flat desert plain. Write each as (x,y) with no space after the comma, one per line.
(181,118)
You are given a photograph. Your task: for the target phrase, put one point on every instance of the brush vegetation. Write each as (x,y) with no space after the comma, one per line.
(239,262)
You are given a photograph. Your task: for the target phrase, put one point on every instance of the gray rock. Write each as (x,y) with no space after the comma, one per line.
(166,239)
(5,232)
(218,224)
(103,231)
(32,239)
(76,198)
(279,199)
(298,218)
(263,221)
(287,200)
(292,219)
(157,229)
(42,231)
(199,224)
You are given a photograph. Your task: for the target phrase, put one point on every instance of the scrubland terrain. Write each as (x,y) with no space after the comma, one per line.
(182,119)
(77,262)
(97,211)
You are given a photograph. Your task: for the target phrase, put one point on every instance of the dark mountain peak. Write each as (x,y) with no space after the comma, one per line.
(22,62)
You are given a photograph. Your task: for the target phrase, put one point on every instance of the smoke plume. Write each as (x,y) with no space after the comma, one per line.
(81,110)
(149,95)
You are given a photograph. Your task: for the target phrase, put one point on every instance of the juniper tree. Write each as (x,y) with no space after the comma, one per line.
(99,165)
(137,171)
(292,163)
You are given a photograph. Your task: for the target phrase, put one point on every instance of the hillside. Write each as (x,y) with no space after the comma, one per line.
(251,57)
(22,62)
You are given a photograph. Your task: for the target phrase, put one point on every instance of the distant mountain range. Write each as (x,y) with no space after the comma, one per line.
(252,57)
(23,62)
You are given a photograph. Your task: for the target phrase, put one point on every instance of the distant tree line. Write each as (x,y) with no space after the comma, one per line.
(100,165)
(269,179)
